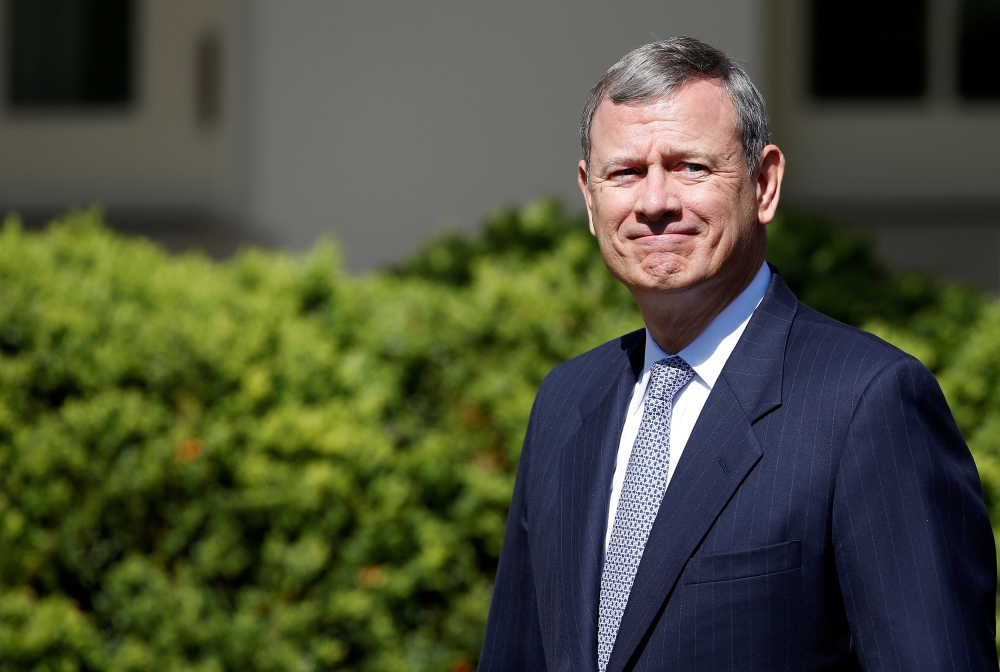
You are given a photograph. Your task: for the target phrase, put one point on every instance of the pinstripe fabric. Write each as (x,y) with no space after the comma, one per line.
(825,515)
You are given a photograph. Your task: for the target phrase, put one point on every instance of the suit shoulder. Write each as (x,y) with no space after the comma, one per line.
(816,339)
(813,325)
(580,375)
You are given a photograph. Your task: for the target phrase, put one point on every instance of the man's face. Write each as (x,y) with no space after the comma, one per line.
(669,199)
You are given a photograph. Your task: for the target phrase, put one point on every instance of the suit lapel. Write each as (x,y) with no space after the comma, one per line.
(721,452)
(588,464)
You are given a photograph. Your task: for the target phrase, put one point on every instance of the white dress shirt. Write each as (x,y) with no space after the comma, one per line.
(706,354)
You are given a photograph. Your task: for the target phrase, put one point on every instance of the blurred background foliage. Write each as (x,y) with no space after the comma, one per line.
(266,464)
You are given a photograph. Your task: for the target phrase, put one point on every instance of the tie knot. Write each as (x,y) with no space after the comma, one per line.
(667,376)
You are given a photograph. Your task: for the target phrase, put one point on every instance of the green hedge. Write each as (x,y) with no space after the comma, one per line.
(265,464)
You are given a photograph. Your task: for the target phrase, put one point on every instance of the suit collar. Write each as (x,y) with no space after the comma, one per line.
(755,370)
(708,353)
(627,362)
(589,458)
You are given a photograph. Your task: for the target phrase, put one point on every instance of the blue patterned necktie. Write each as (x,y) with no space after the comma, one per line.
(642,491)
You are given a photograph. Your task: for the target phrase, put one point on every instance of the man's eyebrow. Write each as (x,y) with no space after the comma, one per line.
(615,161)
(629,160)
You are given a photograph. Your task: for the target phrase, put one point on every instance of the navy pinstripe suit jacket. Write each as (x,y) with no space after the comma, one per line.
(825,515)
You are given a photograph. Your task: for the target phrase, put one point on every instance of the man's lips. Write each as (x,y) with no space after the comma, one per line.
(668,235)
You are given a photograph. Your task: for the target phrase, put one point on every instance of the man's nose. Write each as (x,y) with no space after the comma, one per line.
(658,197)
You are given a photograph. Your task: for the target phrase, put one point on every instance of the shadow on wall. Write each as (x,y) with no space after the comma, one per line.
(176,231)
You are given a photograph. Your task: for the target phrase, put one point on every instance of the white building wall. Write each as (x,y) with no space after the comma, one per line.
(151,156)
(382,122)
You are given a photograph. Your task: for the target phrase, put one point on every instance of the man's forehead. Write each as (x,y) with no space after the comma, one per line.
(701,106)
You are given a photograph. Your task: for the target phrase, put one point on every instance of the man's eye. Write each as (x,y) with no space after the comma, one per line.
(694,168)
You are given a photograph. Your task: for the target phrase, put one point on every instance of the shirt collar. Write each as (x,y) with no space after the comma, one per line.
(710,350)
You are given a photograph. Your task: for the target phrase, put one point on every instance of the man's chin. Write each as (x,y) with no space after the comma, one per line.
(667,272)
(677,281)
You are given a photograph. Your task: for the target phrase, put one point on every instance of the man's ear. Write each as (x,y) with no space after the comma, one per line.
(581,179)
(772,170)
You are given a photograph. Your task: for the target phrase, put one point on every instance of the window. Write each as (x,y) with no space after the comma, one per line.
(69,53)
(978,76)
(869,49)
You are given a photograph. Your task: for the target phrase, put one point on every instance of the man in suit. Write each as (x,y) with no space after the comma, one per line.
(745,484)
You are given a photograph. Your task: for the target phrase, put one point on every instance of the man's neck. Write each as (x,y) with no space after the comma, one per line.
(674,320)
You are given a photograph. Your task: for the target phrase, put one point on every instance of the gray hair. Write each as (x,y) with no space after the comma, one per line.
(655,70)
